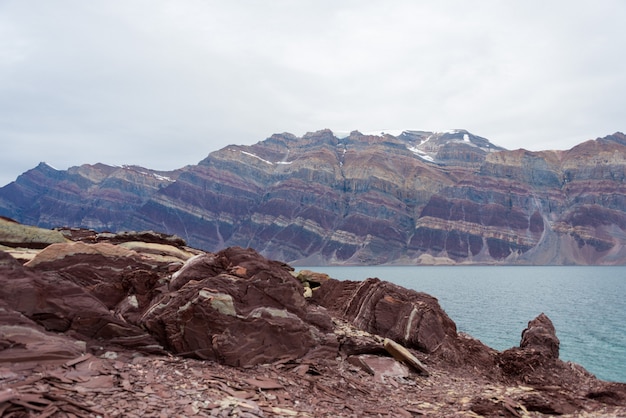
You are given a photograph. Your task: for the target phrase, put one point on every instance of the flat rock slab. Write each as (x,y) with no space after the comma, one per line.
(380,367)
(400,353)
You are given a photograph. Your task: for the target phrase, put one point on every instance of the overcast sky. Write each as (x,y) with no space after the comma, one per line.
(163,83)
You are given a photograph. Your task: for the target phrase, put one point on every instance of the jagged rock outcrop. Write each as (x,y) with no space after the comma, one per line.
(411,318)
(541,336)
(238,308)
(78,302)
(24,340)
(417,197)
(537,353)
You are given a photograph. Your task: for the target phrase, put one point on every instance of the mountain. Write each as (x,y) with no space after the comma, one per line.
(409,198)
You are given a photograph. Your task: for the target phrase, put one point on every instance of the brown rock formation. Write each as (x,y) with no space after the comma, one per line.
(238,308)
(541,336)
(411,318)
(78,306)
(265,349)
(536,360)
(24,341)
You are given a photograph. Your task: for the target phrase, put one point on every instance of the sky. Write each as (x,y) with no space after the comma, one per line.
(162,84)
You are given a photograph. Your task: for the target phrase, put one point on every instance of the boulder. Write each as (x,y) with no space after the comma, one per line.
(148,237)
(411,318)
(380,367)
(106,270)
(23,340)
(163,253)
(94,268)
(312,278)
(59,302)
(536,360)
(400,353)
(13,234)
(540,335)
(238,308)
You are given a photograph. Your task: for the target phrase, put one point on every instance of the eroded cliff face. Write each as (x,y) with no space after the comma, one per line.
(418,197)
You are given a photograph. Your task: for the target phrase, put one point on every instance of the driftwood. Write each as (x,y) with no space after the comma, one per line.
(400,353)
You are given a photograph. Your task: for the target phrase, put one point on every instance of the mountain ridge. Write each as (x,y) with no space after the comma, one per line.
(418,197)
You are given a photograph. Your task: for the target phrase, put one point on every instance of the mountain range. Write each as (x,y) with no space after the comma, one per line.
(410,197)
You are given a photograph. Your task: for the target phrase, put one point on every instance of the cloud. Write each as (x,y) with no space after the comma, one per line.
(162,84)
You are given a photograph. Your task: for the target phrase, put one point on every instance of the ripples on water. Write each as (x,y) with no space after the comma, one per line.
(494,304)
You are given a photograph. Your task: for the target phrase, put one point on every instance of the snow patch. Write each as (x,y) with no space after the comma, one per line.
(466,138)
(147,174)
(257,157)
(162,178)
(264,160)
(426,140)
(54,168)
(420,154)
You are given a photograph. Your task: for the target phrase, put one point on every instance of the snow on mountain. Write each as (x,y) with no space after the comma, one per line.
(434,147)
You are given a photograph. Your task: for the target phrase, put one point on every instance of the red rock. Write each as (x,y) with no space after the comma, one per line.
(54,300)
(536,360)
(23,340)
(540,335)
(408,317)
(241,309)
(380,367)
(256,316)
(96,268)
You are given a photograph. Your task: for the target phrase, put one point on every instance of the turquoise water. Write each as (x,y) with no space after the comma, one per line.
(494,304)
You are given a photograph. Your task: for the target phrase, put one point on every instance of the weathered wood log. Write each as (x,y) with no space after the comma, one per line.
(400,353)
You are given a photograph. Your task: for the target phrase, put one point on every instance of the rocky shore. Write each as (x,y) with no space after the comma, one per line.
(139,324)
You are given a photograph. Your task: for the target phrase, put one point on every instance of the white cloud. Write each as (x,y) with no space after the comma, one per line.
(162,84)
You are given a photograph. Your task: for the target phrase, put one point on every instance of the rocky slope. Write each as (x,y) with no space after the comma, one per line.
(142,325)
(418,197)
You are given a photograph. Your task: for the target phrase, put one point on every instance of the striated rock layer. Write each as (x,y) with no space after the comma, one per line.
(111,325)
(418,197)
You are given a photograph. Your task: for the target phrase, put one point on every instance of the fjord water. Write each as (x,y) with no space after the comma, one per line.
(494,304)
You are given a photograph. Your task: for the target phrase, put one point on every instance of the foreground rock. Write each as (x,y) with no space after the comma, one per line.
(412,318)
(119,327)
(541,336)
(24,341)
(241,309)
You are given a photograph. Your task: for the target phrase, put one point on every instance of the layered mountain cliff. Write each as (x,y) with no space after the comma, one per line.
(416,197)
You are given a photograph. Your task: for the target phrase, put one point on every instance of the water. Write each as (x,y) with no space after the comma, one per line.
(494,304)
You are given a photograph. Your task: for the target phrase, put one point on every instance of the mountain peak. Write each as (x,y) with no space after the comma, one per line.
(457,146)
(449,147)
